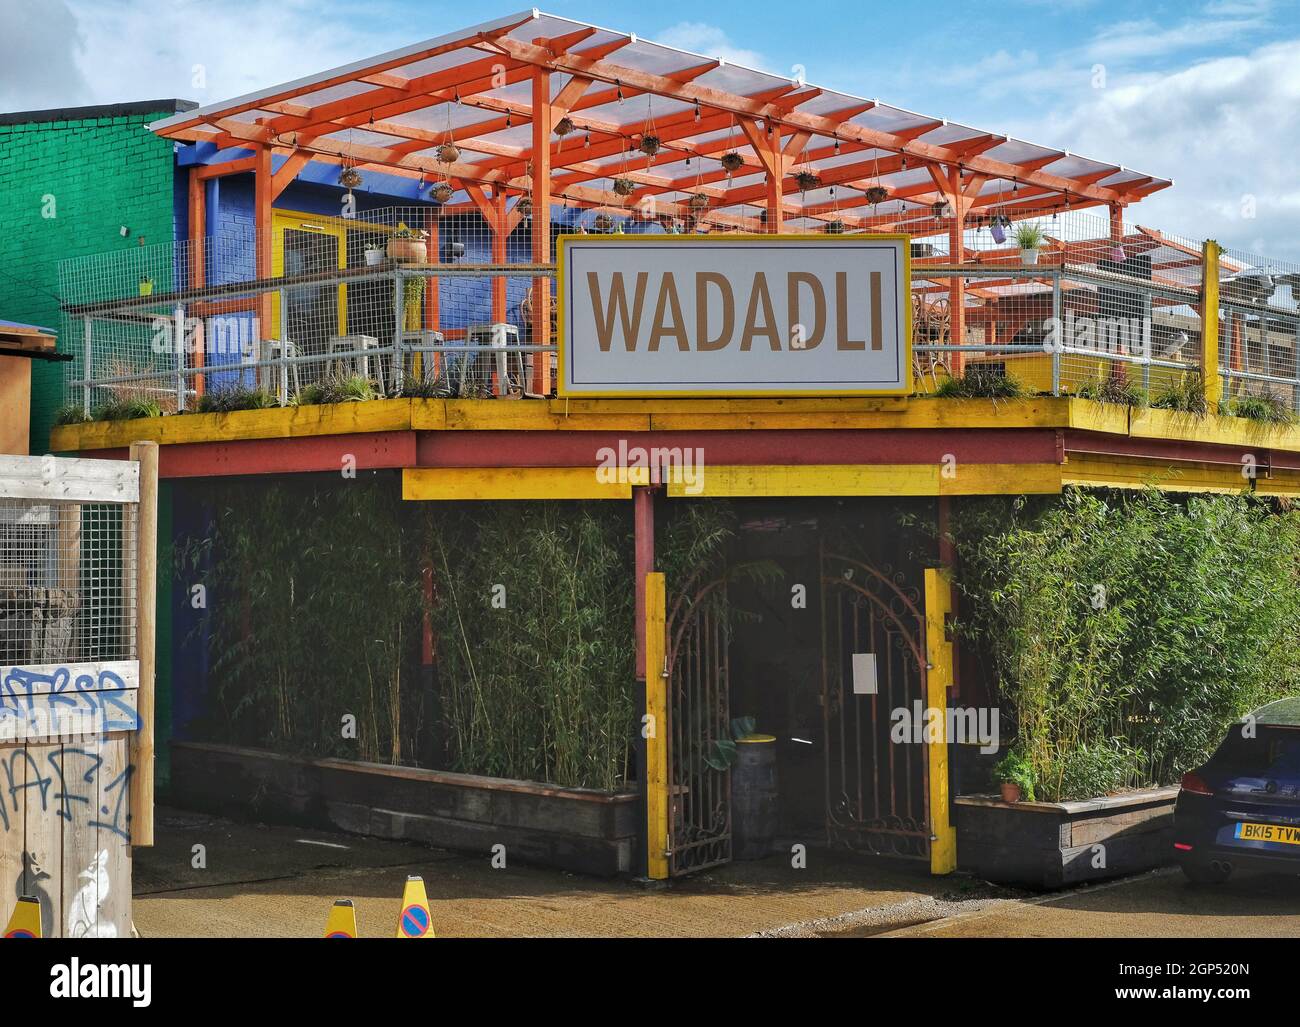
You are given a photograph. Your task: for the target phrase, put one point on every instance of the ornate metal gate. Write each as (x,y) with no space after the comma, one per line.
(877,790)
(698,709)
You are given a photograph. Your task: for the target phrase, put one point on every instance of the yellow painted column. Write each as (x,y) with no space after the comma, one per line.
(938,654)
(655,726)
(1210,325)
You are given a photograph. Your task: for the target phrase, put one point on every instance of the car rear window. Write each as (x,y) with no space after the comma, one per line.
(1272,750)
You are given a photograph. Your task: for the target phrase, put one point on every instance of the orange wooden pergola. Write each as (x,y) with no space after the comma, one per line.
(547,109)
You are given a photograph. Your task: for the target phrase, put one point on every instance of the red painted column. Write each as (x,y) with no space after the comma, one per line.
(643,527)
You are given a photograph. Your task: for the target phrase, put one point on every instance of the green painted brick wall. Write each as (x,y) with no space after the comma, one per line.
(102,173)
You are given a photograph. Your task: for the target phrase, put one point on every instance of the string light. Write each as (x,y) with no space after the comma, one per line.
(619,86)
(697,111)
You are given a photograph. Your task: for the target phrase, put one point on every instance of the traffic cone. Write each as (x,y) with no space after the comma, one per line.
(342,922)
(26,919)
(415,920)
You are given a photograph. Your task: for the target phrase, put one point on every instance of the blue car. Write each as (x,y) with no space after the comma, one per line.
(1242,808)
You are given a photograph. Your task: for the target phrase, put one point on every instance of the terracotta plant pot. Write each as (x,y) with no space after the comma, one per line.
(408,251)
(1010,791)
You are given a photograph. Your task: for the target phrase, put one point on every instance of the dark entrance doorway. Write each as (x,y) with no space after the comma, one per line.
(784,648)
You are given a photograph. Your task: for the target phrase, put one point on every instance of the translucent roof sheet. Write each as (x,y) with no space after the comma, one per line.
(393,110)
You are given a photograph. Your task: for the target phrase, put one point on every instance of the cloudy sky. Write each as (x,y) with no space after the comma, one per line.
(1206,92)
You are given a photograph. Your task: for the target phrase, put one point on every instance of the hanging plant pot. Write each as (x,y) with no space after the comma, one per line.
(835,228)
(603,223)
(806,180)
(624,186)
(732,162)
(649,145)
(699,202)
(563,127)
(442,192)
(350,178)
(877,194)
(524,206)
(940,209)
(448,153)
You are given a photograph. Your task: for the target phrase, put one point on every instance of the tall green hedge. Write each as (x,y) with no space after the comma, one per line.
(1125,631)
(316,600)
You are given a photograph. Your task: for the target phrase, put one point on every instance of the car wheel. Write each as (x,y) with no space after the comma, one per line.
(1206,873)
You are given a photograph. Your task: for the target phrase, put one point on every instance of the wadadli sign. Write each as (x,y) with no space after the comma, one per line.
(735,315)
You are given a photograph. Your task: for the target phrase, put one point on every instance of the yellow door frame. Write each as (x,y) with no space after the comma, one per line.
(938,655)
(654,728)
(316,225)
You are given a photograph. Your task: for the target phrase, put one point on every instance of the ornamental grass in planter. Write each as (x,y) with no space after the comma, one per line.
(1124,631)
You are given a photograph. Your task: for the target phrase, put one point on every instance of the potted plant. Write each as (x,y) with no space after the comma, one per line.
(448,153)
(806,180)
(408,245)
(350,178)
(835,227)
(700,201)
(374,254)
(649,145)
(412,294)
(603,223)
(876,194)
(442,192)
(146,285)
(732,162)
(624,186)
(1029,237)
(1015,776)
(564,126)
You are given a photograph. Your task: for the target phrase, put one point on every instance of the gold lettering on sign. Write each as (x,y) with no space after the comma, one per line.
(760,294)
(618,307)
(842,340)
(808,338)
(668,299)
(877,332)
(702,281)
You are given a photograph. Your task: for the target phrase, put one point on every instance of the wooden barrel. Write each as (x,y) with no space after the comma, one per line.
(753,797)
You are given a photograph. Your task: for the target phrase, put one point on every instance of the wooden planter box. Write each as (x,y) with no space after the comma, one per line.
(570,828)
(1047,845)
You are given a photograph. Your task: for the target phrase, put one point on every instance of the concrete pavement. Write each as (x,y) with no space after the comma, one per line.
(262,881)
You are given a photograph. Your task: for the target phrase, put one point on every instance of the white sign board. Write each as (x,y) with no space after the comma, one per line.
(735,315)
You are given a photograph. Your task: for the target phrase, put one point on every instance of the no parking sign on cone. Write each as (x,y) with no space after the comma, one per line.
(342,922)
(26,919)
(415,920)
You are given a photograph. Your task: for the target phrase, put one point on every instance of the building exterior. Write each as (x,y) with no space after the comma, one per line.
(352,326)
(72,182)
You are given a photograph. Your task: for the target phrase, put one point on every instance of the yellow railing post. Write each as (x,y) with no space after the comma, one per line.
(655,729)
(1210,325)
(938,654)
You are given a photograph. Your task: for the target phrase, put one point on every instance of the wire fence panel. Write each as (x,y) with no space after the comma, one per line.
(441,300)
(67,582)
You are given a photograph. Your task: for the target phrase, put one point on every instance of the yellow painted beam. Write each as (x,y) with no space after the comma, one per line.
(873,480)
(1223,431)
(274,423)
(939,675)
(1210,324)
(655,728)
(1123,473)
(420,483)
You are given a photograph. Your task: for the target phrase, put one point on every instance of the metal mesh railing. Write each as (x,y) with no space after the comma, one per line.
(382,303)
(440,300)
(67,582)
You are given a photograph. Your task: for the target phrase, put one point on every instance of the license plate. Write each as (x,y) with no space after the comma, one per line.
(1268,833)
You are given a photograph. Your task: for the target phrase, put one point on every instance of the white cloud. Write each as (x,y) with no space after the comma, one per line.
(710,41)
(1224,129)
(69,52)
